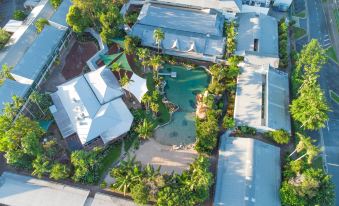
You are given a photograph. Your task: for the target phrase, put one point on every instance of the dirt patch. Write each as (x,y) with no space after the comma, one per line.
(152,152)
(77,57)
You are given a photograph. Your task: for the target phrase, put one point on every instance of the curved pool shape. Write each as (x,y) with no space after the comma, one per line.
(182,91)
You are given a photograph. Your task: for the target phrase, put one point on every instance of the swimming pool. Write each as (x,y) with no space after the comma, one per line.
(182,91)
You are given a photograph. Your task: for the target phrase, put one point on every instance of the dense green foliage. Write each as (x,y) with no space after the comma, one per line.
(5,73)
(86,165)
(40,24)
(144,184)
(4,37)
(130,44)
(279,136)
(158,36)
(310,107)
(231,36)
(228,122)
(19,15)
(59,171)
(103,15)
(303,185)
(283,43)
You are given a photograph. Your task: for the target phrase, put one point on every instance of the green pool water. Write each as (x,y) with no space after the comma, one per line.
(182,91)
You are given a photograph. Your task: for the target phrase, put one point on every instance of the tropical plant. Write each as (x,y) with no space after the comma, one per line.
(4,37)
(116,67)
(145,129)
(85,165)
(143,53)
(158,36)
(146,100)
(155,62)
(59,171)
(19,15)
(40,24)
(279,136)
(41,166)
(5,73)
(228,122)
(155,108)
(56,3)
(129,45)
(140,193)
(306,144)
(36,98)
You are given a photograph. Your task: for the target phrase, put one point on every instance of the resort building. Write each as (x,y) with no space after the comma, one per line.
(91,107)
(262,98)
(189,33)
(248,173)
(257,39)
(282,5)
(31,54)
(27,191)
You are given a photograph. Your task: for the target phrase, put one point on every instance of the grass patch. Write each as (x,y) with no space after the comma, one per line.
(330,52)
(336,15)
(301,14)
(163,115)
(298,32)
(334,96)
(111,154)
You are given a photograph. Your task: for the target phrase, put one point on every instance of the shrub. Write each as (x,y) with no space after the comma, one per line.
(246,130)
(40,24)
(4,37)
(103,185)
(279,136)
(19,15)
(140,193)
(59,171)
(228,122)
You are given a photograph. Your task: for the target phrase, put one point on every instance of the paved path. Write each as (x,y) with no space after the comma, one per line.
(319,28)
(328,6)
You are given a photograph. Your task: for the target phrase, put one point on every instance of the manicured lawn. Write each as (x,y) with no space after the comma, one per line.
(336,15)
(301,14)
(330,52)
(111,155)
(164,115)
(298,32)
(334,96)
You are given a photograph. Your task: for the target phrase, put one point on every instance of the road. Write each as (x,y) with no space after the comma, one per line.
(319,28)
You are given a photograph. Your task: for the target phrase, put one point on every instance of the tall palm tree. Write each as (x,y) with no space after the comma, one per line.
(158,36)
(116,67)
(306,144)
(145,129)
(146,99)
(155,108)
(35,97)
(5,73)
(156,62)
(143,53)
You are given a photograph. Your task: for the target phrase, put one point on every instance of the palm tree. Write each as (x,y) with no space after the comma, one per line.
(5,73)
(145,129)
(306,144)
(116,67)
(155,108)
(143,53)
(36,98)
(146,99)
(158,36)
(155,61)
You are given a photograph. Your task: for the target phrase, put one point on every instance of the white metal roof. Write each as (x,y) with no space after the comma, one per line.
(137,86)
(261,27)
(12,26)
(262,98)
(59,16)
(36,57)
(89,117)
(24,37)
(248,173)
(19,190)
(104,85)
(8,89)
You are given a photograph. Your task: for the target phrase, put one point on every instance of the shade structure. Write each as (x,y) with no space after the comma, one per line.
(108,59)
(137,86)
(119,41)
(124,63)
